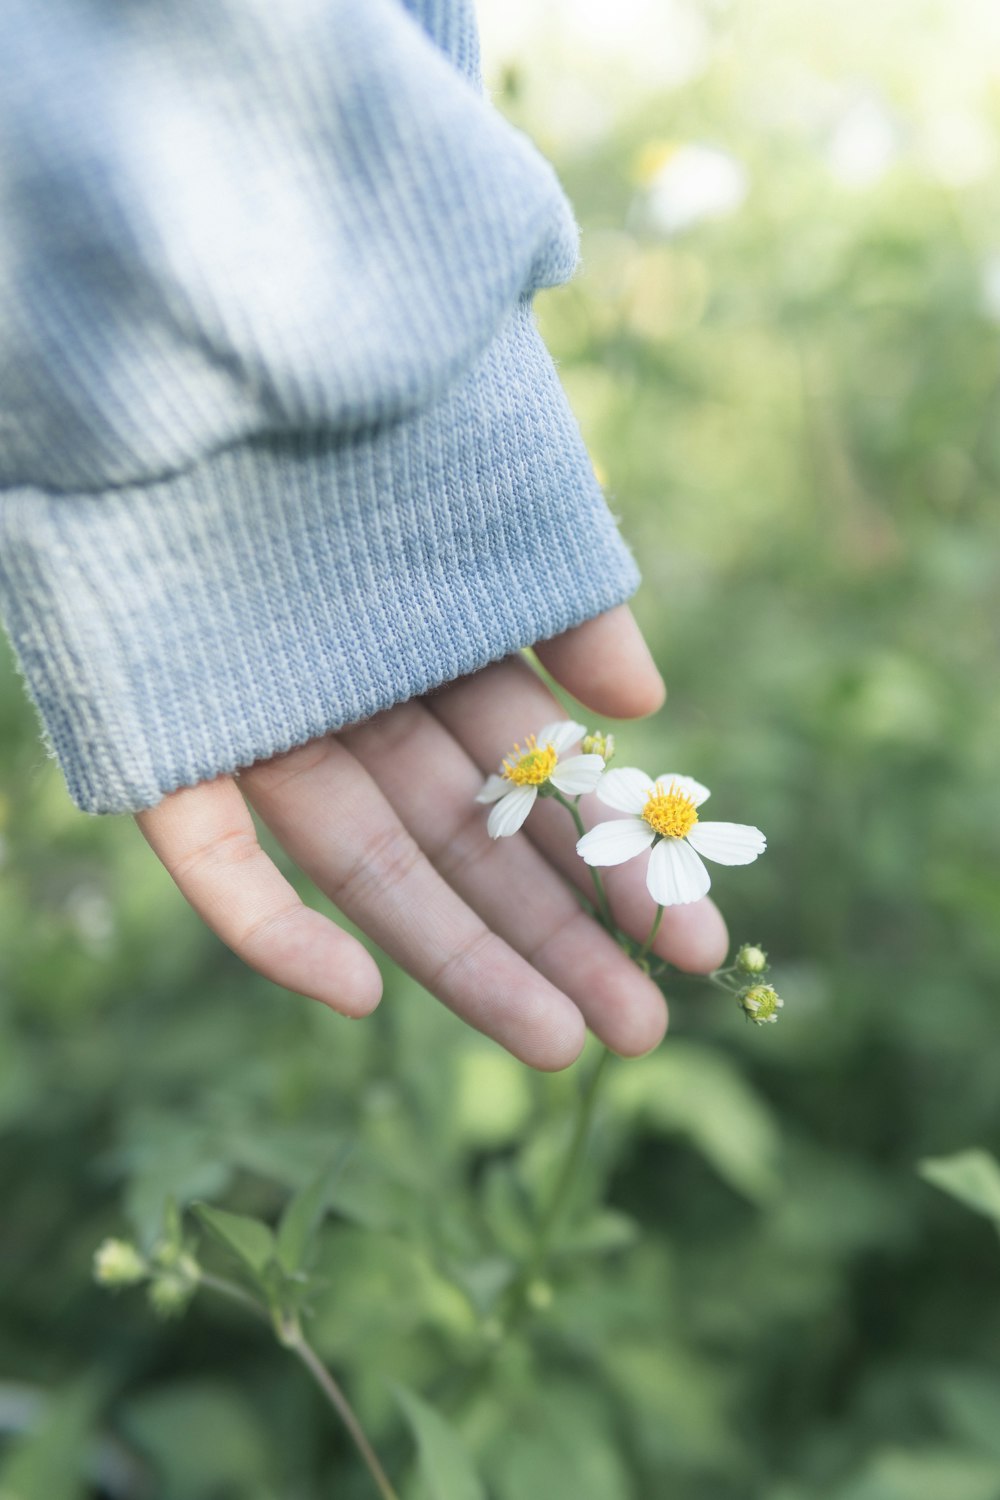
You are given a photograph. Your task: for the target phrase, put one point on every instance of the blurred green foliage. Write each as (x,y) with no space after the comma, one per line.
(795,410)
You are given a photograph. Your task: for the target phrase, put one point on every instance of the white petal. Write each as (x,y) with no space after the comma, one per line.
(561,735)
(580,773)
(493,788)
(728,843)
(614,842)
(685,784)
(625,789)
(676,875)
(511,811)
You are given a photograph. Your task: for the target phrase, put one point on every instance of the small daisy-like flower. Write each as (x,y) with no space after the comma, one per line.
(664,819)
(539,763)
(761,1003)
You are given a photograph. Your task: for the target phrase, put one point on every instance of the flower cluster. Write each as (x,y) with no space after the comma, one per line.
(171,1271)
(659,818)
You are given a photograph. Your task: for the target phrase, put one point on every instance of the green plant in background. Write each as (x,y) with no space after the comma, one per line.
(751,1295)
(275,1266)
(664,817)
(973,1177)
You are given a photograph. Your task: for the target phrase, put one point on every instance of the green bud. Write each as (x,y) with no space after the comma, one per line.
(118,1263)
(175,1275)
(170,1292)
(599,744)
(751,959)
(760,1003)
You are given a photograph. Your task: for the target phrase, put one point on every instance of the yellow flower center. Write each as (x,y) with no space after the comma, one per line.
(669,812)
(532,765)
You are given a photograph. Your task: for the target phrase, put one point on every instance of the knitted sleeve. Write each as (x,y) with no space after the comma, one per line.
(279,443)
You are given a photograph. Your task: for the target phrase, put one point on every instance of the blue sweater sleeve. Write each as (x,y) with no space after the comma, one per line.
(279,444)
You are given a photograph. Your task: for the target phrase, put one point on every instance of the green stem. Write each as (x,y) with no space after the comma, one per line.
(345,1411)
(603,904)
(293,1339)
(549,1222)
(234,1293)
(731,986)
(651,939)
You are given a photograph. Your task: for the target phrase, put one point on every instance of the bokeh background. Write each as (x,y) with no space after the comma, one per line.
(784,349)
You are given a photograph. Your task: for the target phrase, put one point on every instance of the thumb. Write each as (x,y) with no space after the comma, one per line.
(606,664)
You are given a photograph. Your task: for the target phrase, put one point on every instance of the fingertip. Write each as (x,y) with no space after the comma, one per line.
(644,698)
(637,1028)
(316,958)
(607,666)
(556,1049)
(694,937)
(356,989)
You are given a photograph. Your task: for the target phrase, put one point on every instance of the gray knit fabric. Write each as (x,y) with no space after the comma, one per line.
(279,445)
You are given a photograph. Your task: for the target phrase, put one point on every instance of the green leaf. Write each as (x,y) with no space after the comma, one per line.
(303,1215)
(695,1092)
(968,1400)
(203,1439)
(445,1467)
(973,1177)
(483,1281)
(49,1462)
(603,1233)
(924,1474)
(505,1210)
(248,1238)
(565,1449)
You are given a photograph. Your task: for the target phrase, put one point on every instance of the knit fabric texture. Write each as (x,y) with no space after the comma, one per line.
(279,443)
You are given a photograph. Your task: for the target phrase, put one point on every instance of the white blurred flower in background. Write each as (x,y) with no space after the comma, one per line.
(687,184)
(864,143)
(592,60)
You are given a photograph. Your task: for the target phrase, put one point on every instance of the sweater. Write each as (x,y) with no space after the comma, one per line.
(280,445)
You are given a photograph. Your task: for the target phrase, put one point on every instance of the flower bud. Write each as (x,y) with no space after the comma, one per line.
(599,744)
(118,1263)
(760,1003)
(170,1292)
(751,959)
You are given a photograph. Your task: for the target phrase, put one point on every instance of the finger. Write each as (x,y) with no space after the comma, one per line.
(606,665)
(205,837)
(335,823)
(486,714)
(507,881)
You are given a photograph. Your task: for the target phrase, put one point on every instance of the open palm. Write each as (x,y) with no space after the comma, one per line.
(382,818)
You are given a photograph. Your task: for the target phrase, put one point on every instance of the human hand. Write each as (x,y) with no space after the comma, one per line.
(381,817)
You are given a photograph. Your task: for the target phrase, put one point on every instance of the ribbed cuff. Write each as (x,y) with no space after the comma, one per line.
(284,588)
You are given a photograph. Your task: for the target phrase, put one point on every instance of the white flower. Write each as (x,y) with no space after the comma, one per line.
(540,762)
(693,183)
(664,818)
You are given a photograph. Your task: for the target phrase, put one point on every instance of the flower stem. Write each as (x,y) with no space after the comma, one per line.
(651,939)
(293,1339)
(345,1411)
(723,979)
(603,904)
(234,1293)
(549,1221)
